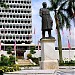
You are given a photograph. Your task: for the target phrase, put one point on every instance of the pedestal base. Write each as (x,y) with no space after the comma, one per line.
(49,64)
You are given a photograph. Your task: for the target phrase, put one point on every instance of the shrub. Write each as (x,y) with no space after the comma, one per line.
(29,56)
(9,50)
(36,60)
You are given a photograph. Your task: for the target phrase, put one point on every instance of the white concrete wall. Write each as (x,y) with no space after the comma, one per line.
(67,54)
(3,52)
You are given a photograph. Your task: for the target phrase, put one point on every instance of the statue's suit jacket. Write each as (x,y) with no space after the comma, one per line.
(46,19)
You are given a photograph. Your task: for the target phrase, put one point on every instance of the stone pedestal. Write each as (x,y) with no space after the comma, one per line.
(48,55)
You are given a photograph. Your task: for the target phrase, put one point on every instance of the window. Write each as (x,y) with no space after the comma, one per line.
(20,16)
(28,2)
(15,21)
(20,37)
(12,1)
(10,26)
(23,6)
(26,16)
(13,26)
(25,32)
(2,10)
(7,15)
(22,32)
(24,11)
(4,15)
(2,20)
(13,16)
(3,37)
(6,37)
(18,1)
(25,2)
(10,16)
(29,6)
(0,15)
(23,26)
(7,26)
(5,21)
(17,6)
(21,1)
(29,16)
(12,21)
(17,16)
(12,32)
(19,21)
(26,6)
(17,26)
(10,6)
(12,11)
(9,1)
(0,26)
(20,26)
(20,6)
(28,21)
(15,11)
(15,1)
(23,16)
(15,32)
(23,37)
(2,31)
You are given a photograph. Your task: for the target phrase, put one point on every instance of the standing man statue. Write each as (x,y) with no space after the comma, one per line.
(47,22)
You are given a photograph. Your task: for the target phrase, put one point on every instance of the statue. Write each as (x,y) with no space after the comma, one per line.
(47,22)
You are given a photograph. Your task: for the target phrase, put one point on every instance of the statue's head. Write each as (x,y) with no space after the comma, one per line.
(44,4)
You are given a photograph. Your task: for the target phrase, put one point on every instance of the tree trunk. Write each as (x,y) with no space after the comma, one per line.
(59,39)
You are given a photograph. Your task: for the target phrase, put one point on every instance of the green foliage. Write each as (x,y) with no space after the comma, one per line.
(67,63)
(10,69)
(36,60)
(9,50)
(32,50)
(29,56)
(5,61)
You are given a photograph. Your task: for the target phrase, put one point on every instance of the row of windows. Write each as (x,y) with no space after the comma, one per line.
(13,1)
(16,32)
(17,37)
(14,21)
(16,16)
(16,11)
(19,6)
(13,26)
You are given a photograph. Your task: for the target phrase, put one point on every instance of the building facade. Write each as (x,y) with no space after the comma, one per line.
(16,22)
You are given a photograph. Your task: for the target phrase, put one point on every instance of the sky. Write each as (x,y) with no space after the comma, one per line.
(36,24)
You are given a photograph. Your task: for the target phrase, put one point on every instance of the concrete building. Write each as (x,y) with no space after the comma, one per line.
(16,22)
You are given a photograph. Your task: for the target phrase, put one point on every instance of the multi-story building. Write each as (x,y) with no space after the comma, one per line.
(16,22)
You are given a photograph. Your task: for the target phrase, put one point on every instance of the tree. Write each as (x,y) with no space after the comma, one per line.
(61,19)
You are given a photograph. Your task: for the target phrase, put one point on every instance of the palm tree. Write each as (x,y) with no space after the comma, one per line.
(60,19)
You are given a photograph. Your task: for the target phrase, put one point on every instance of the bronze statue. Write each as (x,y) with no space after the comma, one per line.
(47,22)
